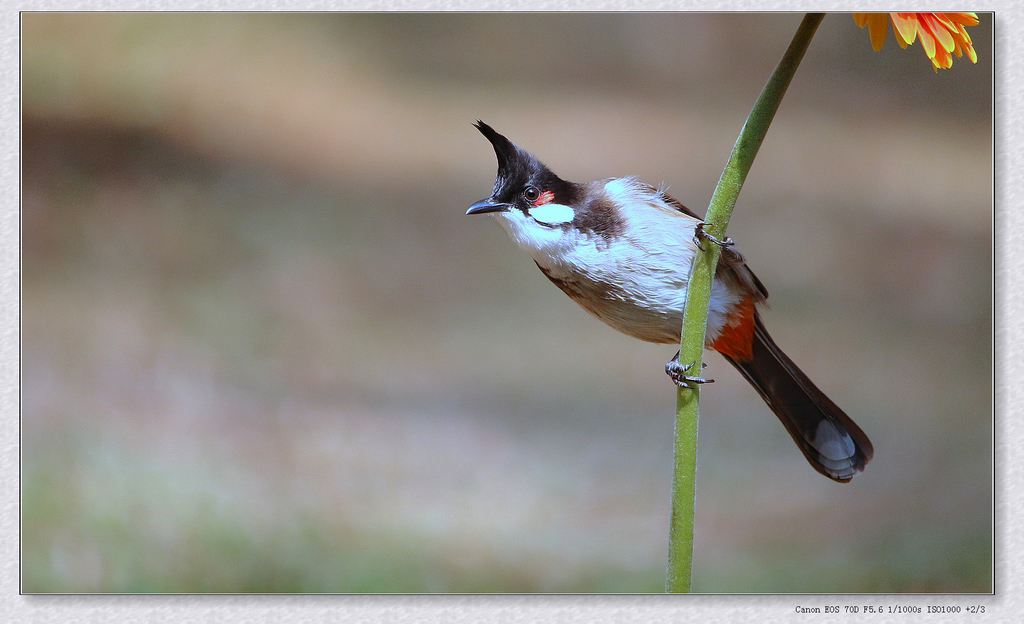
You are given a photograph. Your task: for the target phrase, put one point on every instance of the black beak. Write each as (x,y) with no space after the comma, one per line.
(486,205)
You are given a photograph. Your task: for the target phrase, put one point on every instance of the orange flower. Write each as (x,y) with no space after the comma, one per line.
(942,34)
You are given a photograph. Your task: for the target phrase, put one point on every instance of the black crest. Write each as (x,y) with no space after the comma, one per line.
(517,168)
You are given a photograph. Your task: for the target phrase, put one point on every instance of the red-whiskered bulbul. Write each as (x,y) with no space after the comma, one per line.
(623,251)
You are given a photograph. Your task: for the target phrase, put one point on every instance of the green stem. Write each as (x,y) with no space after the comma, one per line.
(698,297)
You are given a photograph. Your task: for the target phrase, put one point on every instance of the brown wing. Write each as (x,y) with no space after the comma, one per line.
(732,265)
(675,203)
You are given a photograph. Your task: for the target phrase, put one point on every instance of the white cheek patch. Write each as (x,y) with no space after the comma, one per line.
(552,214)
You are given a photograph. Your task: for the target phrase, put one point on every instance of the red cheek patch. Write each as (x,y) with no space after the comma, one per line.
(545,198)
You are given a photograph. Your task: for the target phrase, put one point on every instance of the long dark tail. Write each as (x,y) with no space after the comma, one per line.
(833,443)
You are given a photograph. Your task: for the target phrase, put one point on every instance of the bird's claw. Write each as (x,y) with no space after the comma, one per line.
(699,235)
(677,373)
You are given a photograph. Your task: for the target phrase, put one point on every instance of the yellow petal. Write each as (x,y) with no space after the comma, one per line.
(939,30)
(878,28)
(944,19)
(967,19)
(905,29)
(963,40)
(927,42)
(942,60)
(971,54)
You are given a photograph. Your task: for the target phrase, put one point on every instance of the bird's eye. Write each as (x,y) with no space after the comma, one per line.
(531,194)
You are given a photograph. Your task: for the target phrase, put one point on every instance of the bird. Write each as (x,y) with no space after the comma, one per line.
(623,250)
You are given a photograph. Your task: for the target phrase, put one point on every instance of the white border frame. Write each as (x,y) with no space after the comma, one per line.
(1006,605)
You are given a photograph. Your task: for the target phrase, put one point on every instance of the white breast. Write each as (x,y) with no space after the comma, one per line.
(634,281)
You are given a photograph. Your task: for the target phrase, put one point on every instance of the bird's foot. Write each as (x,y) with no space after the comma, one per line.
(699,235)
(677,372)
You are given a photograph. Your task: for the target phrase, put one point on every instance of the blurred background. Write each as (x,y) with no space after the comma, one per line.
(265,351)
